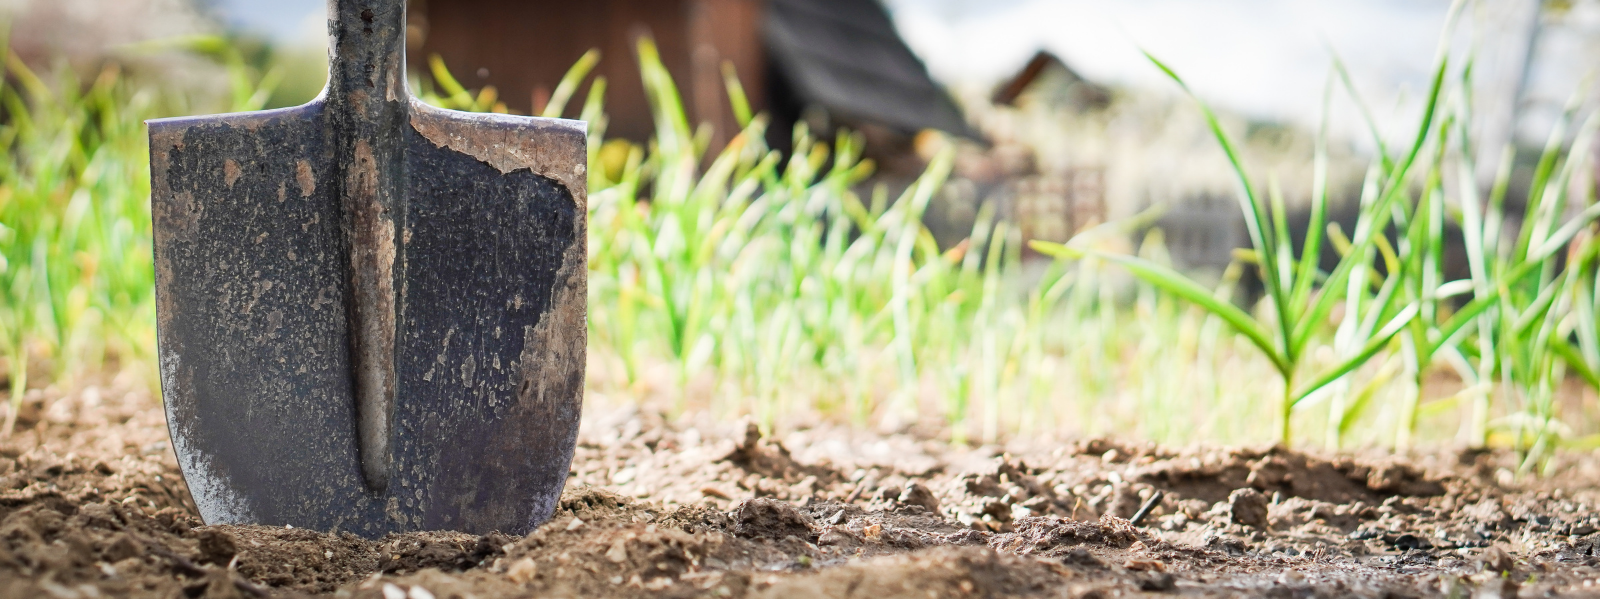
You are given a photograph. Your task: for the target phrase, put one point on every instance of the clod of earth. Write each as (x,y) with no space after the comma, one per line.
(1248,507)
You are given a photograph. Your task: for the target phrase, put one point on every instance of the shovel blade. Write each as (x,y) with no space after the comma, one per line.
(254,321)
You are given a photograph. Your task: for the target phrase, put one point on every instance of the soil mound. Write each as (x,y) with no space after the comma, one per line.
(91,504)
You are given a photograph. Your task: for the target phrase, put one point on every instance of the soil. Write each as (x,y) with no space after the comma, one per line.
(92,504)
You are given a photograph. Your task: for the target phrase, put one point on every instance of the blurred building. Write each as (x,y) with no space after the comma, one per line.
(1049,77)
(794,58)
(1046,201)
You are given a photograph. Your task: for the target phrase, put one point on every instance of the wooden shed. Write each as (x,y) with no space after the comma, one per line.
(842,56)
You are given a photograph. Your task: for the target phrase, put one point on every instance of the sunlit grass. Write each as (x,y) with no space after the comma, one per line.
(1510,331)
(75,264)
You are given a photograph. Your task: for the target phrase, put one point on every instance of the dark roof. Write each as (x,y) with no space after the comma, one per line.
(846,56)
(1078,91)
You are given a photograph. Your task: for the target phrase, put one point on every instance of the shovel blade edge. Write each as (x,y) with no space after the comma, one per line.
(252,284)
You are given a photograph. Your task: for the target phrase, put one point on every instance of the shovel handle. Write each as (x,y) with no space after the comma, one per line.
(366,50)
(367,104)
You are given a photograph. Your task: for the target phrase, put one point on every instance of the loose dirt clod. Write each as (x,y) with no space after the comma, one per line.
(1248,507)
(216,546)
(770,519)
(92,506)
(917,494)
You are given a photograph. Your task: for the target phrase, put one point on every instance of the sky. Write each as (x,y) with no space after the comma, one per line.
(291,21)
(1268,59)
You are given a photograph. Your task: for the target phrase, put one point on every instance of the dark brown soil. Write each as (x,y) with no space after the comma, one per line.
(91,504)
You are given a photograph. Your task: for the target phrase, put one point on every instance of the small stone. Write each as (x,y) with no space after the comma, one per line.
(618,552)
(887,493)
(216,546)
(575,524)
(1134,564)
(1248,507)
(1492,585)
(999,511)
(917,494)
(1158,582)
(1226,545)
(768,518)
(522,571)
(1411,542)
(122,547)
(836,536)
(1495,560)
(1292,578)
(1080,557)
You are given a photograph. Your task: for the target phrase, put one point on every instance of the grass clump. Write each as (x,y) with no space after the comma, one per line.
(1509,331)
(75,264)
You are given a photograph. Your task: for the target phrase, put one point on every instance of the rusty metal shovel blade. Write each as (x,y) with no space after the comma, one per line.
(371,312)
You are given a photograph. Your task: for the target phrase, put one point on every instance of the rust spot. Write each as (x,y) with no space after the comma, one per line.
(358,101)
(303,176)
(230,172)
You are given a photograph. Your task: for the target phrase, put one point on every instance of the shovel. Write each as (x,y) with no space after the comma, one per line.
(371,312)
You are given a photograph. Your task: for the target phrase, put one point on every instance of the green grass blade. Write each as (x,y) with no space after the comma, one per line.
(1575,361)
(1377,343)
(1559,239)
(458,96)
(1364,397)
(736,96)
(569,83)
(1175,283)
(1255,215)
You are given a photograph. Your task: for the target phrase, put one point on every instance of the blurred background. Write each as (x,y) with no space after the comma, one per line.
(857,189)
(1054,97)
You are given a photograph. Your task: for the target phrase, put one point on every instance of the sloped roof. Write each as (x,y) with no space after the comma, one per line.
(846,56)
(1078,91)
